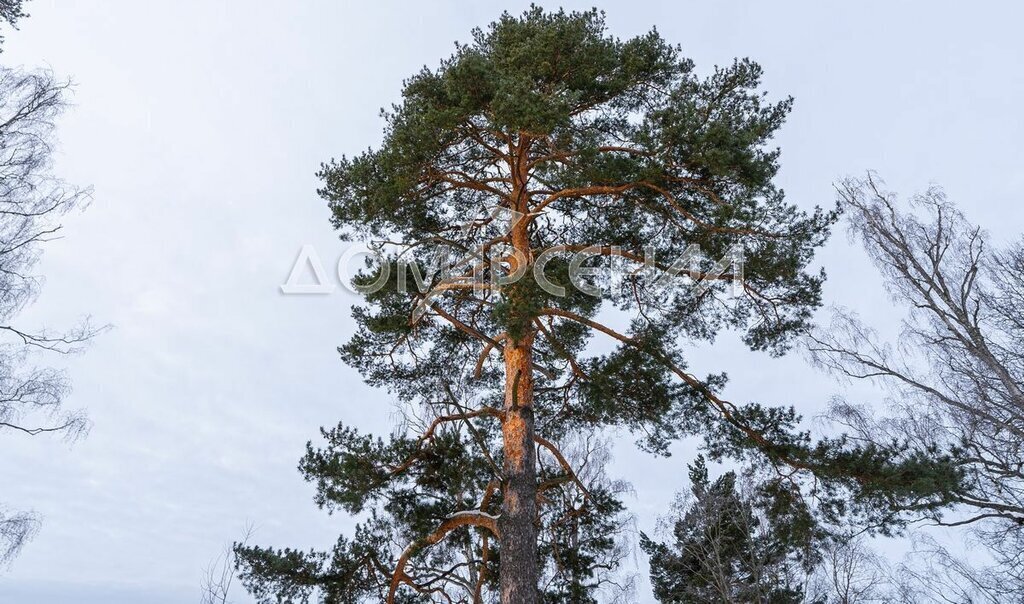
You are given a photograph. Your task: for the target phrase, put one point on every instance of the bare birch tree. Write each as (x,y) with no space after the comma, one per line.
(32,202)
(956,374)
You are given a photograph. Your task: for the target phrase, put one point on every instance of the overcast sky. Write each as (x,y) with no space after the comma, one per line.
(199,124)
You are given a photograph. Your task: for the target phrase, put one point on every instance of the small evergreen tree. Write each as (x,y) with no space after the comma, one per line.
(734,546)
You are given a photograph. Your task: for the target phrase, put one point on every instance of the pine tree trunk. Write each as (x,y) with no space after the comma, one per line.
(519,504)
(518,539)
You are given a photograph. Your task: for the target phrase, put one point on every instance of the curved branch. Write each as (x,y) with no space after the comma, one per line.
(457,520)
(562,461)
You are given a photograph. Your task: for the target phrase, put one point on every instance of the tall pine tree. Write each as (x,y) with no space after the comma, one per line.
(540,151)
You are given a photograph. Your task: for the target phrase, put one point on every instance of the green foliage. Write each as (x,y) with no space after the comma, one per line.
(698,171)
(358,473)
(591,140)
(735,546)
(444,474)
(11,11)
(580,540)
(349,573)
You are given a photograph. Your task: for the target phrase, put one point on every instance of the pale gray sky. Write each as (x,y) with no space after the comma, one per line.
(200,125)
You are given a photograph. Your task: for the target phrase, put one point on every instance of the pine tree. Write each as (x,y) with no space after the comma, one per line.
(541,151)
(756,546)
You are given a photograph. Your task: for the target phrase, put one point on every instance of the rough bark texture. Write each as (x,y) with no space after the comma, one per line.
(519,507)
